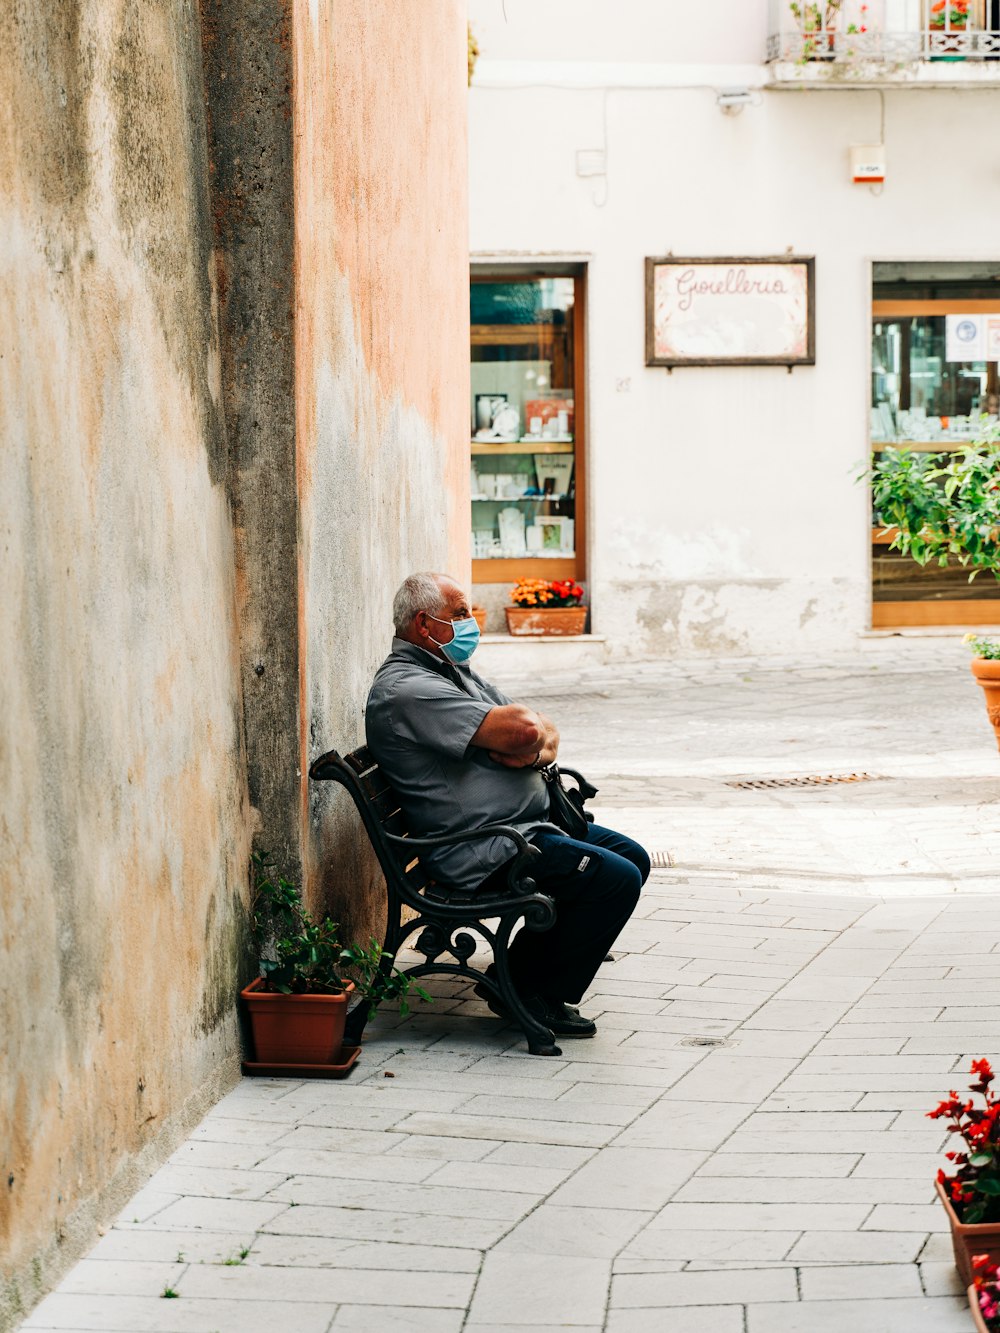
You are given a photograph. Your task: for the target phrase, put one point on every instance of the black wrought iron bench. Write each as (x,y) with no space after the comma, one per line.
(443,916)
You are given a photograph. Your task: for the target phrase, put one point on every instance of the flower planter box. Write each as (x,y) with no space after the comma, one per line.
(967,1240)
(296,1029)
(978,1321)
(987,673)
(530,620)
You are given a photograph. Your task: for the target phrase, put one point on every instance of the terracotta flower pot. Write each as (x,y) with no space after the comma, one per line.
(987,672)
(296,1029)
(969,1239)
(536,620)
(479,614)
(979,1322)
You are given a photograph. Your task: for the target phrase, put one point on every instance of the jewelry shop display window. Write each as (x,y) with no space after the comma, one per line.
(934,388)
(527,424)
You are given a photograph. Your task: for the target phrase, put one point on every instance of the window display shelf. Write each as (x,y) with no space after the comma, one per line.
(523,447)
(941,446)
(529,555)
(516,499)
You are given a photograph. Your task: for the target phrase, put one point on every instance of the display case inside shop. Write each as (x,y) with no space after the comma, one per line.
(524,422)
(934,389)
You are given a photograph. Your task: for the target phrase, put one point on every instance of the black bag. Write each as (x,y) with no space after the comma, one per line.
(566,804)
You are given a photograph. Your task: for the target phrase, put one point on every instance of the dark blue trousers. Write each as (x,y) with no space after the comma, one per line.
(595,883)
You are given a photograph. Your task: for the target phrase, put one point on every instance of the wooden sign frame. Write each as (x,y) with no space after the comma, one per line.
(747,285)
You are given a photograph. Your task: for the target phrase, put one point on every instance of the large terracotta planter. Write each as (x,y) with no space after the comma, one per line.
(536,620)
(967,1240)
(296,1029)
(987,672)
(479,615)
(978,1321)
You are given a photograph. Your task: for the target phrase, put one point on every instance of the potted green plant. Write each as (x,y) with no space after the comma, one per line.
(817,23)
(949,14)
(986,669)
(298,1005)
(971,1197)
(943,508)
(544,606)
(948,17)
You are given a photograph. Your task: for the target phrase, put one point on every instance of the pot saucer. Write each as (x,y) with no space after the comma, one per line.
(256,1069)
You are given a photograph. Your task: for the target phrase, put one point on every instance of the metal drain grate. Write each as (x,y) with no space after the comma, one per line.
(706,1041)
(827,780)
(661,860)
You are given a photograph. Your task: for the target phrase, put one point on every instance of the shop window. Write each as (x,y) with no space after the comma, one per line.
(527,420)
(930,394)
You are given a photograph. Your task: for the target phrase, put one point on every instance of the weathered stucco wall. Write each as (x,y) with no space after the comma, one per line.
(233,380)
(381,360)
(123,813)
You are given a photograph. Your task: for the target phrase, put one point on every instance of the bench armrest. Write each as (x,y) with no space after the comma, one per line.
(519,880)
(470,835)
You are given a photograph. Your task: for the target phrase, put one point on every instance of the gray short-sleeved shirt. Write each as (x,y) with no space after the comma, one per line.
(422,713)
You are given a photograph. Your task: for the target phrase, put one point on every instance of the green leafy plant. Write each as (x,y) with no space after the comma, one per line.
(816,22)
(300,955)
(942,506)
(985,648)
(168,1294)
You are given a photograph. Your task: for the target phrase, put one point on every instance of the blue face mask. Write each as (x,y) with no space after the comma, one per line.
(465,642)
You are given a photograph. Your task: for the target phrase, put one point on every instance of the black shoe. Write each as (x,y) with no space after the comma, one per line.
(561,1019)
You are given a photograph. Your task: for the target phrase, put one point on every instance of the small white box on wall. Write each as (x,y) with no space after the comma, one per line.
(867,164)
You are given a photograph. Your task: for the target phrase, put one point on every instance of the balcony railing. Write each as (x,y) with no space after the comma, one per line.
(894,33)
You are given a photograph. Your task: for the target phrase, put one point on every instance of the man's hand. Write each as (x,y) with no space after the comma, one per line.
(517,737)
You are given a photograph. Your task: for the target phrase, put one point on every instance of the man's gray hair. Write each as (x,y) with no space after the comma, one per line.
(419,592)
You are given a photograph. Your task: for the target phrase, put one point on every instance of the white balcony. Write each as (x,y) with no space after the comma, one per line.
(873,43)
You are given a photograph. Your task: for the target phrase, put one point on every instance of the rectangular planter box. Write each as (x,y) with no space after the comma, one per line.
(295,1029)
(531,620)
(967,1240)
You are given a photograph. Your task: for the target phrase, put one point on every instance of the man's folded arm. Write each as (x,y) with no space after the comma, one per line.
(517,736)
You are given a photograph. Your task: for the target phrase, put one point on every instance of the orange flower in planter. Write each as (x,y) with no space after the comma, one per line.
(543,592)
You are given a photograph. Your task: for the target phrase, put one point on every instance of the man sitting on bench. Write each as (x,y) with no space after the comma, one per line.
(460,754)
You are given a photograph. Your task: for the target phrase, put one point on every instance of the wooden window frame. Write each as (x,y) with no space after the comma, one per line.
(509,570)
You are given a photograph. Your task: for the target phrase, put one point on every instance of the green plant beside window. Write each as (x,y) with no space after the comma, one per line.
(301,956)
(943,507)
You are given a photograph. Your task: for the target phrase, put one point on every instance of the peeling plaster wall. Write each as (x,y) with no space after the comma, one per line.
(123,810)
(382,351)
(723,512)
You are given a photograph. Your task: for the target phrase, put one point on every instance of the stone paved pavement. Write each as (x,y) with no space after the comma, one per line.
(742,1149)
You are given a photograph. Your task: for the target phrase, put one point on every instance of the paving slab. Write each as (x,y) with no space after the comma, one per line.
(743,1147)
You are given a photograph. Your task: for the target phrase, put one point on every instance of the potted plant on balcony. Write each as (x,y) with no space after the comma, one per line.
(817,23)
(971,1197)
(947,17)
(541,606)
(950,14)
(298,1005)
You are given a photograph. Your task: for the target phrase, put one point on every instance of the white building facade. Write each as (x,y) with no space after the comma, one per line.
(721,511)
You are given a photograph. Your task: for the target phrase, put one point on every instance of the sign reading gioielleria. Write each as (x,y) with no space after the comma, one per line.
(711,312)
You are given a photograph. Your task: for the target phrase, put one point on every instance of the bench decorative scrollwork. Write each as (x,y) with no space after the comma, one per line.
(445,921)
